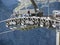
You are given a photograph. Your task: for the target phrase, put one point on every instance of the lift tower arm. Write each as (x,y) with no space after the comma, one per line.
(39,13)
(34,4)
